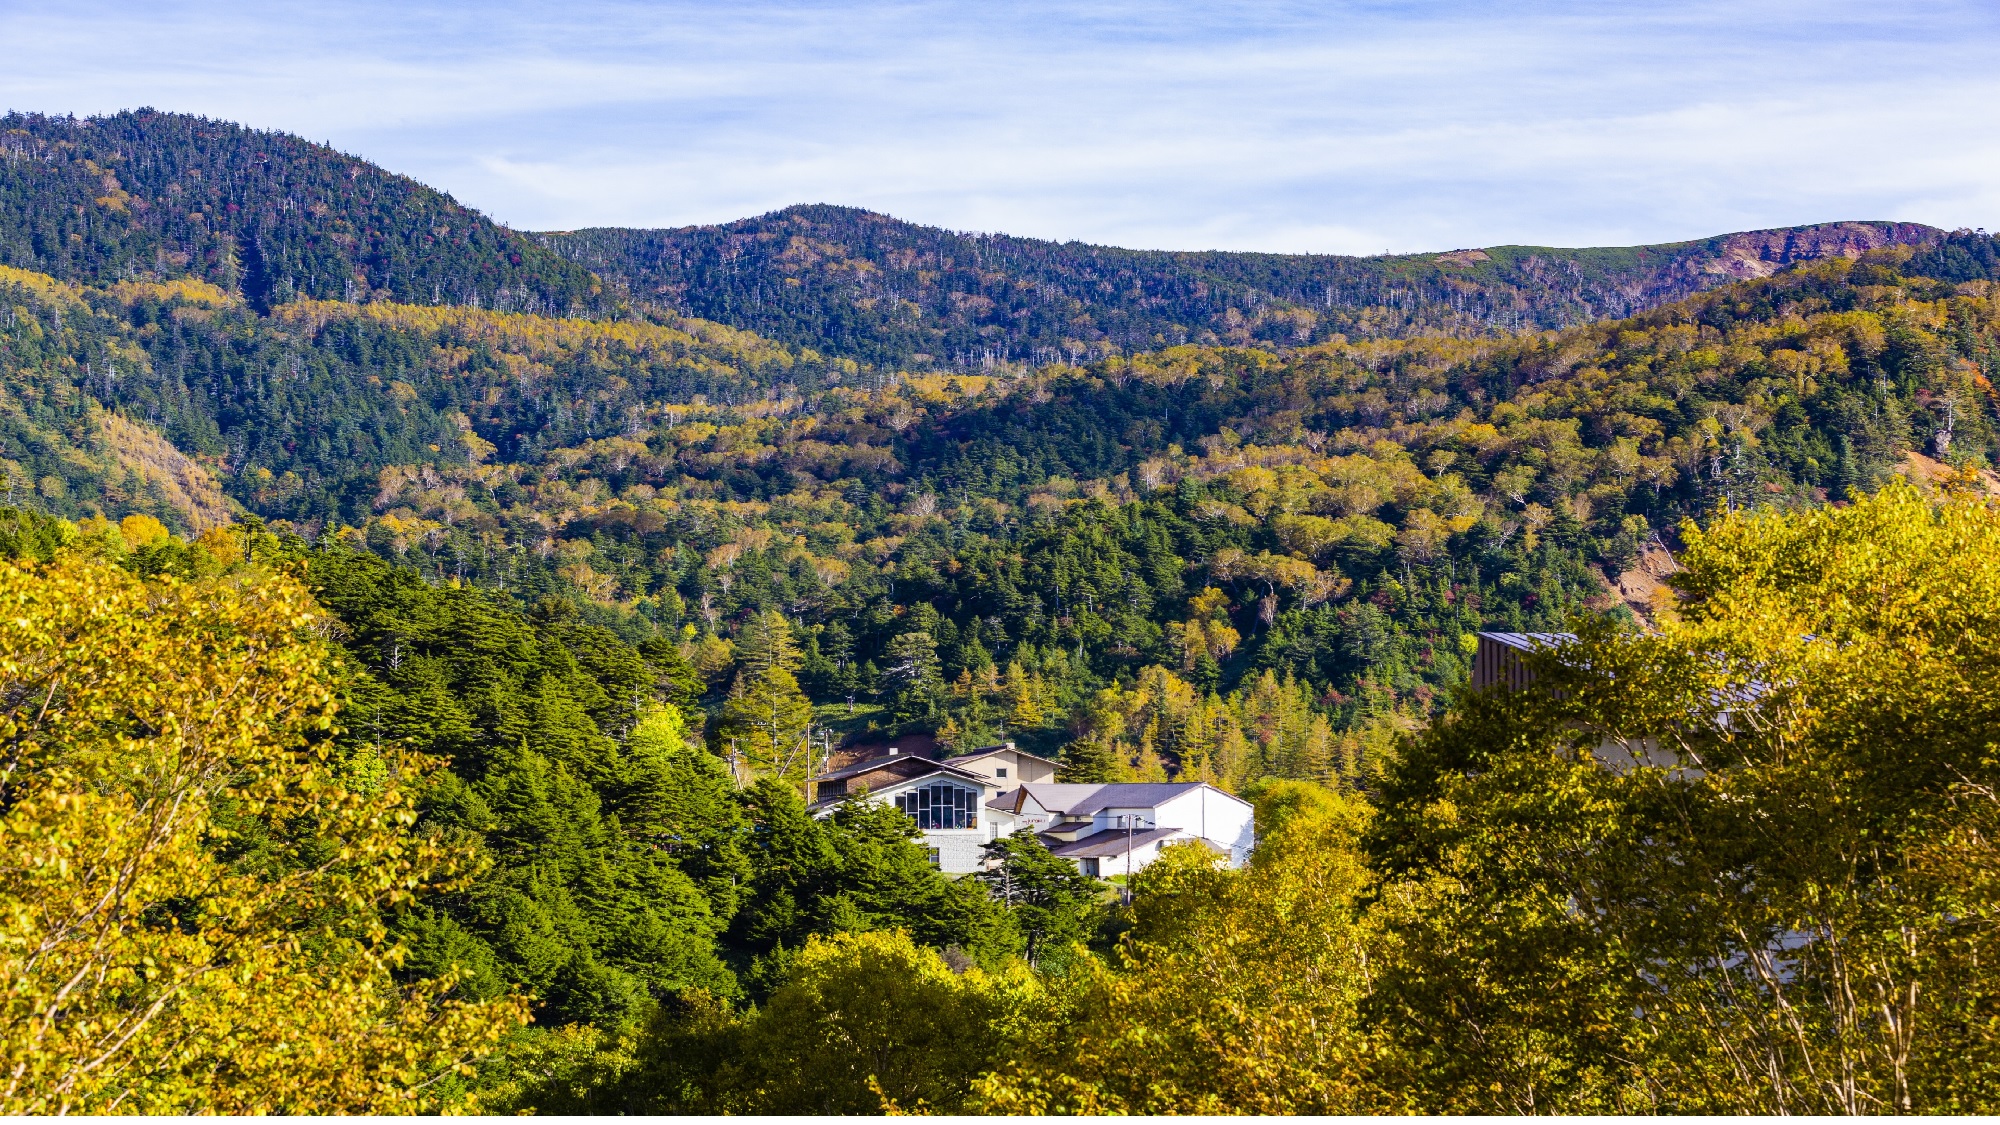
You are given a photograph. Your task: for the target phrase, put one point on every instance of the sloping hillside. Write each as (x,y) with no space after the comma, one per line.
(1330,511)
(272,218)
(864,285)
(1341,514)
(265,214)
(299,411)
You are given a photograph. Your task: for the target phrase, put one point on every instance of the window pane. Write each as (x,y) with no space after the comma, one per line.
(940,806)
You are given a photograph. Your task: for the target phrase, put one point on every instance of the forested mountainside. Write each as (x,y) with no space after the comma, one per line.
(292,828)
(470,656)
(1310,532)
(264,215)
(305,407)
(885,292)
(271,218)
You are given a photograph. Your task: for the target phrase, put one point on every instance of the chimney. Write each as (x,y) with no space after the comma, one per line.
(893,751)
(1007,745)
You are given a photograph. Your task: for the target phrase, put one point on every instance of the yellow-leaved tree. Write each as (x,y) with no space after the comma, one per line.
(1744,865)
(765,722)
(864,1022)
(190,875)
(1237,991)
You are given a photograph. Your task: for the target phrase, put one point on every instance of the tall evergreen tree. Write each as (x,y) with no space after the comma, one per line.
(766,720)
(1050,901)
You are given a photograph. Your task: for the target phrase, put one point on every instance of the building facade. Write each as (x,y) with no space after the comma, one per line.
(963,803)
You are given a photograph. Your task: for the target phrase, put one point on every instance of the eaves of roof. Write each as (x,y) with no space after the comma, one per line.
(1111,841)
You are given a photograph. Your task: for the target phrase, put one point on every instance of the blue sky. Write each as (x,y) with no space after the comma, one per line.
(1343,127)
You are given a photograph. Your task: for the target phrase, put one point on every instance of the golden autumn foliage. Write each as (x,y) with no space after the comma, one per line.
(189,878)
(182,482)
(1267,728)
(1236,992)
(873,1018)
(863,1023)
(1744,865)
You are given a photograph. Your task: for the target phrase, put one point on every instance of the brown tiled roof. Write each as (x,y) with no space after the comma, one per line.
(926,766)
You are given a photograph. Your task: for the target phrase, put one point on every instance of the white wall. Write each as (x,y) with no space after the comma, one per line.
(960,850)
(1215,816)
(1109,819)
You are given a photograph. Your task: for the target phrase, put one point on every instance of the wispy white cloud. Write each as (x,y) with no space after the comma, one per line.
(1255,125)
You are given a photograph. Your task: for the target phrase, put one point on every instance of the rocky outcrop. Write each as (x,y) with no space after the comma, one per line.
(1761,253)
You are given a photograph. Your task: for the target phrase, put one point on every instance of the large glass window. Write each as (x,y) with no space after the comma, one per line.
(941,806)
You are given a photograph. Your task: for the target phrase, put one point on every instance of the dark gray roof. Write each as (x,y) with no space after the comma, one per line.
(1087,800)
(1529,642)
(1111,841)
(1749,692)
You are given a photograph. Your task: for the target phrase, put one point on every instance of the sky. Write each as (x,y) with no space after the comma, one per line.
(1325,127)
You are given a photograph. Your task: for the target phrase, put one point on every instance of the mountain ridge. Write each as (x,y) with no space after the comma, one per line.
(880,290)
(265,214)
(144,194)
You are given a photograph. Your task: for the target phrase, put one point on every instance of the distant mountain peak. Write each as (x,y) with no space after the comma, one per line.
(1761,253)
(269,215)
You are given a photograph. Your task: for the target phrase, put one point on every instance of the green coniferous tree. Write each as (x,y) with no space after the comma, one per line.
(681,796)
(916,677)
(766,719)
(1051,902)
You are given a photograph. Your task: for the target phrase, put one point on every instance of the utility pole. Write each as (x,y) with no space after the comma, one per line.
(1129,819)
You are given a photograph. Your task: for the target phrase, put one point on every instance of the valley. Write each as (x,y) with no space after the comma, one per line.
(604,531)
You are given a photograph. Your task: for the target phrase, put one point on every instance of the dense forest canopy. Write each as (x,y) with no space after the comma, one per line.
(1778,812)
(265,215)
(869,287)
(570,567)
(1340,513)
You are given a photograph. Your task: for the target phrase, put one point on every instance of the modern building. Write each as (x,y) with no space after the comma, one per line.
(1118,829)
(1497,661)
(1497,665)
(965,802)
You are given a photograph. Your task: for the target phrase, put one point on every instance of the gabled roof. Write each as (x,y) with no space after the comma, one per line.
(1005,748)
(973,780)
(925,766)
(1088,800)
